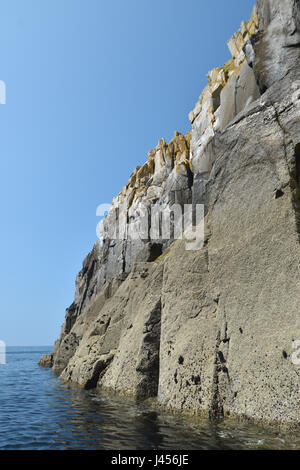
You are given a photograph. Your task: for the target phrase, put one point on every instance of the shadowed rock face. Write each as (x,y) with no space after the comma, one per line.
(275,49)
(208,332)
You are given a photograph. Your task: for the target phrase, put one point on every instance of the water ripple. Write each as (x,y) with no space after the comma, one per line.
(37,411)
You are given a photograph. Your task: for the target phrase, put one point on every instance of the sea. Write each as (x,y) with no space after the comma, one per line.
(40,412)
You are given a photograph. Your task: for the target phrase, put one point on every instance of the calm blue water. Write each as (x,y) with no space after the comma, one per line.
(37,411)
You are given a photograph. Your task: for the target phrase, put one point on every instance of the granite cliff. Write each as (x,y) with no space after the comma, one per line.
(208,331)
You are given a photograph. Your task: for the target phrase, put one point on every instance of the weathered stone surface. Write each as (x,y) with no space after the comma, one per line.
(224,332)
(138,349)
(210,331)
(227,110)
(230,89)
(46,360)
(239,93)
(254,257)
(125,336)
(247,90)
(188,333)
(275,49)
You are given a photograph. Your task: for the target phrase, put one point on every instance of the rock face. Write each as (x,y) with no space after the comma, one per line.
(207,331)
(274,50)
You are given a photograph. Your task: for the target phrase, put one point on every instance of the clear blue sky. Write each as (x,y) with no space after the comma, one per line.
(91,87)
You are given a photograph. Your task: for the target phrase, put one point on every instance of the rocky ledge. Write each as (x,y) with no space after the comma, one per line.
(211,331)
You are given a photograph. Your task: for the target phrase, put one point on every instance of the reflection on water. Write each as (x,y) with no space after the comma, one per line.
(39,412)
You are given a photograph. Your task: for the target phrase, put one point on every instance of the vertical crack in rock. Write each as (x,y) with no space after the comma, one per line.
(148,357)
(221,380)
(124,247)
(297,160)
(296,192)
(216,408)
